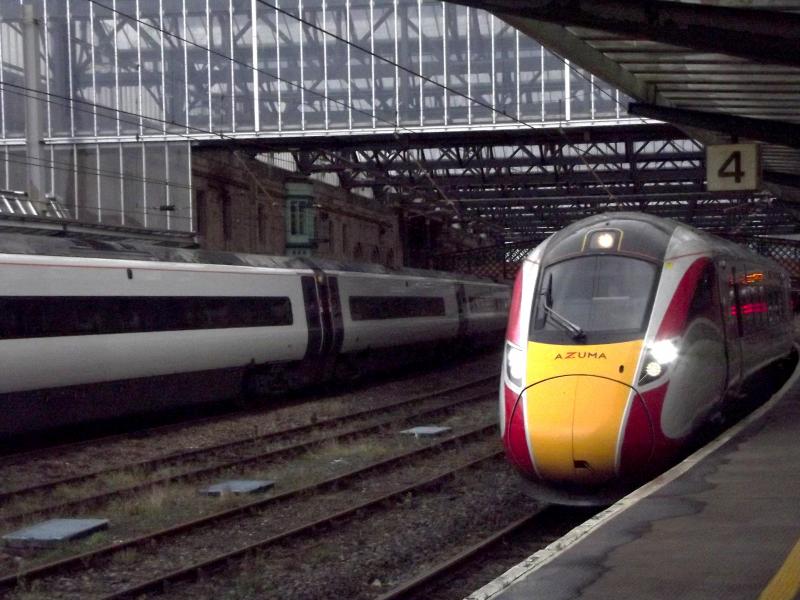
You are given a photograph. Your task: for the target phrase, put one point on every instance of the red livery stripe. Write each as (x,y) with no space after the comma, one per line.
(513,332)
(514,438)
(675,318)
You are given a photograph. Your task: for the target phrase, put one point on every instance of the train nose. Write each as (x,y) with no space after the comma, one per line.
(574,424)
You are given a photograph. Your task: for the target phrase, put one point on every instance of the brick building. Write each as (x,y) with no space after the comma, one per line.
(246,205)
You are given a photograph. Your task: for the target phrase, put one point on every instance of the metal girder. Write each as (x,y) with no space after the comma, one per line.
(765,130)
(624,166)
(759,35)
(511,183)
(502,260)
(429,139)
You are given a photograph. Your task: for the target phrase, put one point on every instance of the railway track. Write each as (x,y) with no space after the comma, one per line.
(8,459)
(217,458)
(416,584)
(161,583)
(458,574)
(220,526)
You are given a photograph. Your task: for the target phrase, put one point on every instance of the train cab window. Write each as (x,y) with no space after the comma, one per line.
(607,297)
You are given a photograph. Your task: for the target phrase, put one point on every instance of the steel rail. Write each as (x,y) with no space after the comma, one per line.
(86,558)
(452,563)
(154,463)
(94,500)
(159,584)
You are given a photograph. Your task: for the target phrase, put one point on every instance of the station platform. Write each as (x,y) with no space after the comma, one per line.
(724,523)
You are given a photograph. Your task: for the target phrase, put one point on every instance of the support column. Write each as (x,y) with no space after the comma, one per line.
(34,102)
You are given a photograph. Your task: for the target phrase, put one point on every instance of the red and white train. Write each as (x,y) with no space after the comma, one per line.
(626,333)
(97,330)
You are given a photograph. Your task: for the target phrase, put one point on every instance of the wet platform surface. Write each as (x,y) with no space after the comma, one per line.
(725,523)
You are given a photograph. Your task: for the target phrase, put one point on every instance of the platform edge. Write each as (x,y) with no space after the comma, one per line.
(542,557)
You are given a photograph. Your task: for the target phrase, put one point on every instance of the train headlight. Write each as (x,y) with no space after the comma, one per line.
(515,364)
(658,358)
(653,369)
(664,351)
(603,240)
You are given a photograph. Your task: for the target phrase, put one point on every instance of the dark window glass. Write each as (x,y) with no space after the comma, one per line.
(367,308)
(484,304)
(38,316)
(608,296)
(703,304)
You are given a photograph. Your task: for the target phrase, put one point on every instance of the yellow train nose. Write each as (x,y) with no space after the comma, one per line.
(574,423)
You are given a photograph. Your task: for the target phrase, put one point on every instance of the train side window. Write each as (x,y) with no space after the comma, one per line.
(34,316)
(8,320)
(703,304)
(369,308)
(746,299)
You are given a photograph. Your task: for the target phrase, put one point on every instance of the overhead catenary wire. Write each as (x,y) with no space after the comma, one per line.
(219,134)
(373,115)
(442,86)
(60,100)
(395,125)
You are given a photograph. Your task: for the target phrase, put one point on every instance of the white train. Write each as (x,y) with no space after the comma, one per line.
(96,330)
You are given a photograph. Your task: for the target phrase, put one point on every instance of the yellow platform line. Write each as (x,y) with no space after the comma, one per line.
(786,582)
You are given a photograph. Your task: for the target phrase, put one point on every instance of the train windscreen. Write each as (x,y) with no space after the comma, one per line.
(598,299)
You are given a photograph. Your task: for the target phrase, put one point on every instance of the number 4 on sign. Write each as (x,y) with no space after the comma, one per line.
(733,167)
(735,160)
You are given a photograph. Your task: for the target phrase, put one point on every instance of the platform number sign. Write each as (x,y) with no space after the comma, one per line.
(733,167)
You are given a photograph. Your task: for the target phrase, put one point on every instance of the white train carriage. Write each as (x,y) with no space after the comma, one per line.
(94,330)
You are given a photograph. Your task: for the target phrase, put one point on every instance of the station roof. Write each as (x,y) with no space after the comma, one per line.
(722,70)
(719,70)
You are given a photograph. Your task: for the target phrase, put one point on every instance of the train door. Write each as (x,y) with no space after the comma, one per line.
(327,305)
(732,320)
(312,302)
(332,309)
(461,301)
(323,308)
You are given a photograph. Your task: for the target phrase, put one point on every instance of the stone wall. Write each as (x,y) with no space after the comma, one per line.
(241,207)
(239,203)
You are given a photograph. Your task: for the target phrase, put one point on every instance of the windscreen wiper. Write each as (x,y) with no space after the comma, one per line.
(575,330)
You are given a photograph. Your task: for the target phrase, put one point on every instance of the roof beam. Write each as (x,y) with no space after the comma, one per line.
(760,35)
(764,130)
(559,40)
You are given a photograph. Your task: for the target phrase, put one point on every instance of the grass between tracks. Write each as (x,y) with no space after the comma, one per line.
(165,506)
